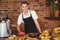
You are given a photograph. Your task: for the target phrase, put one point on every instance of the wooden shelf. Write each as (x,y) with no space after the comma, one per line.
(52,18)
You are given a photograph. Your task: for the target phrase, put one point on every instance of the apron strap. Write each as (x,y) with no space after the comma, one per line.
(23,16)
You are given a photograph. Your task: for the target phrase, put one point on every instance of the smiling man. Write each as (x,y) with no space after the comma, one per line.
(29,19)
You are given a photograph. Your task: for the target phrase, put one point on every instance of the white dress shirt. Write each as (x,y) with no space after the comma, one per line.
(32,12)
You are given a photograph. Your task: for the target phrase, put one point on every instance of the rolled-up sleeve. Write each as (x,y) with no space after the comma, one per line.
(19,21)
(34,15)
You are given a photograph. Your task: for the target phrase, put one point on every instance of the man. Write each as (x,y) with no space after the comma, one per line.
(29,18)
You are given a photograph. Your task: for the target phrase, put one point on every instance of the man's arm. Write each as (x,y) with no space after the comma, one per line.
(37,25)
(19,21)
(18,28)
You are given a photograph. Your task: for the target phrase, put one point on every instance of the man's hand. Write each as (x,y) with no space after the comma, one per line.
(21,33)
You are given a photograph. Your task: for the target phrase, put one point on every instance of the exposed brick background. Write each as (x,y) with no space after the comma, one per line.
(12,8)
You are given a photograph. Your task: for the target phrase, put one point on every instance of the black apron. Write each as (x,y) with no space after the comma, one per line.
(29,24)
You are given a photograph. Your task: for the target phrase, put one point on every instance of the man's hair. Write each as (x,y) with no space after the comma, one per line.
(24,2)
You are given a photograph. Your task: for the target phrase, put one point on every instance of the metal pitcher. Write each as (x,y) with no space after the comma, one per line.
(4,27)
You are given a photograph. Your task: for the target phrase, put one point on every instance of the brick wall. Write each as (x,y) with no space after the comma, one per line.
(12,8)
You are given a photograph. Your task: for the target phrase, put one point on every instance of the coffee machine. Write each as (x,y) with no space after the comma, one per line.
(4,25)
